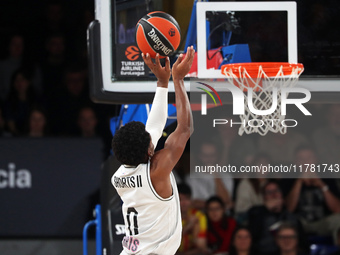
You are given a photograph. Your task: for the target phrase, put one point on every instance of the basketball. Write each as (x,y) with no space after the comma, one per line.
(158,32)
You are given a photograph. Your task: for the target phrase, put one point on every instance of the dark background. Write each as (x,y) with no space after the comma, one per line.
(65,176)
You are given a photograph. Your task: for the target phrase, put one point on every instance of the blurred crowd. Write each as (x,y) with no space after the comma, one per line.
(263,214)
(44,87)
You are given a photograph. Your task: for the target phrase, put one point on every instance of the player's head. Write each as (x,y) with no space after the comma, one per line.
(132,144)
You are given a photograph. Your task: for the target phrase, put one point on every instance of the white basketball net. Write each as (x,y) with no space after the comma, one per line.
(261,90)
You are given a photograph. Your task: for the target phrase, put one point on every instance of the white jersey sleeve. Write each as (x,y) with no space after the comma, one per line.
(158,115)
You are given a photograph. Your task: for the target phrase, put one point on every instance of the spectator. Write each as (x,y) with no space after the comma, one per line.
(19,102)
(37,123)
(235,150)
(65,106)
(207,185)
(241,243)
(87,122)
(87,16)
(327,139)
(54,17)
(10,64)
(53,64)
(182,168)
(220,226)
(53,21)
(316,201)
(263,220)
(3,132)
(287,238)
(248,190)
(194,233)
(281,148)
(17,59)
(337,241)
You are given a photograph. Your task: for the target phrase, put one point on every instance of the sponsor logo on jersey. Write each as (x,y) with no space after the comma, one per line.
(127,182)
(120,229)
(130,243)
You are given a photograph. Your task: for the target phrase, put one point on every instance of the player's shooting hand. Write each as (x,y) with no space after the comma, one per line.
(183,64)
(162,73)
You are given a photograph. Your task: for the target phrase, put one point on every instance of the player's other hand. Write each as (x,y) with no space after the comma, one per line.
(183,64)
(162,73)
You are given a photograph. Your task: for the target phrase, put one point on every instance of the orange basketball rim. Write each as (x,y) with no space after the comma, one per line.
(271,69)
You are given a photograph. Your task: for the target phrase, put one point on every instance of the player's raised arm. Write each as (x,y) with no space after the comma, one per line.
(175,144)
(184,115)
(159,111)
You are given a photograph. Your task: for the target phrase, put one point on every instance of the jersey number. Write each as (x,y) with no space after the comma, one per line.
(131,212)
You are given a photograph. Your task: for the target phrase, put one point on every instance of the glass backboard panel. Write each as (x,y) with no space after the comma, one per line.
(304,31)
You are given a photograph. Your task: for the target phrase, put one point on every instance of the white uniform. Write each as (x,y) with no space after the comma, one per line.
(153,225)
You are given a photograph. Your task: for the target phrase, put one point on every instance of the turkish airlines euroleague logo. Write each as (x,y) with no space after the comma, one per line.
(132,53)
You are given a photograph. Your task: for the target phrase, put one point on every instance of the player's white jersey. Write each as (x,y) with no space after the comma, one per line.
(153,224)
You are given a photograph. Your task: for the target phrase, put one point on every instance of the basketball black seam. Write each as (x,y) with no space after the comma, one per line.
(158,30)
(136,31)
(146,37)
(179,30)
(172,19)
(173,49)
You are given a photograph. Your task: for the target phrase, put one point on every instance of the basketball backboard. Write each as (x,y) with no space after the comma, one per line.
(273,31)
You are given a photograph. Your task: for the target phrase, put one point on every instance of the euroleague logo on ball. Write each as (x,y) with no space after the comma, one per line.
(172,32)
(132,53)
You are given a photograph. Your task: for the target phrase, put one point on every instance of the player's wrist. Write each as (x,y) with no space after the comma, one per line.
(177,79)
(162,83)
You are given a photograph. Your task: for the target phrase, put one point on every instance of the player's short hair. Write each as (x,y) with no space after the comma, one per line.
(130,144)
(184,189)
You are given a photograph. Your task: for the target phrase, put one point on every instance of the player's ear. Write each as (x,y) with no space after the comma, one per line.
(150,152)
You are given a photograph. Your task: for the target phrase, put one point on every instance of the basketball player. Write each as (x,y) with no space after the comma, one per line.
(145,182)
